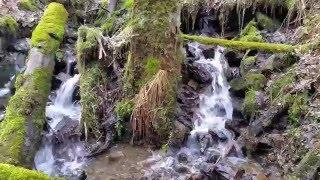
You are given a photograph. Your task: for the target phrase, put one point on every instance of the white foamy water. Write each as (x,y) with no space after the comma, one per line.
(67,158)
(215,109)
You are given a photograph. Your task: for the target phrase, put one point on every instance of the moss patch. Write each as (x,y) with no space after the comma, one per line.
(266,22)
(247,64)
(27,105)
(250,33)
(29,5)
(277,88)
(298,107)
(255,81)
(250,104)
(8,25)
(10,172)
(50,30)
(128,4)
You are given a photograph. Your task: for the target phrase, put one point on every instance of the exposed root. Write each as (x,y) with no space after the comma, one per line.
(148,102)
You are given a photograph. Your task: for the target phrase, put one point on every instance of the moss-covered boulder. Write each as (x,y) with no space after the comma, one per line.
(20,131)
(8,25)
(250,33)
(250,107)
(10,172)
(255,81)
(267,23)
(282,61)
(248,64)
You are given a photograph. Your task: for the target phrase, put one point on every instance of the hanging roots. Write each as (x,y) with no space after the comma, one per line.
(151,98)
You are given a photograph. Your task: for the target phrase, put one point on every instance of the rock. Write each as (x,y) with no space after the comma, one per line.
(3,46)
(182,157)
(209,52)
(248,65)
(181,169)
(21,45)
(201,73)
(20,62)
(238,87)
(115,156)
(233,58)
(65,129)
(266,22)
(282,61)
(76,94)
(232,73)
(180,132)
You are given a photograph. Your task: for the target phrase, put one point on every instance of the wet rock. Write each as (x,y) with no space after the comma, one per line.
(209,53)
(199,72)
(66,129)
(20,61)
(3,46)
(238,87)
(180,132)
(21,45)
(181,169)
(232,73)
(282,61)
(233,58)
(182,157)
(76,94)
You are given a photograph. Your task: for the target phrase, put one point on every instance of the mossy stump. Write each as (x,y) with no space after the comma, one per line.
(20,131)
(155,58)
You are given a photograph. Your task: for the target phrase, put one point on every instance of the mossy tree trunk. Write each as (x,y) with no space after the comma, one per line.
(153,68)
(20,131)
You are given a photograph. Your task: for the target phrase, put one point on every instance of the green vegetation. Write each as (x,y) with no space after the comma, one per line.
(250,104)
(10,172)
(297,108)
(8,25)
(266,22)
(87,39)
(124,109)
(27,105)
(247,64)
(308,164)
(29,5)
(241,45)
(277,88)
(255,81)
(238,84)
(250,33)
(128,4)
(50,30)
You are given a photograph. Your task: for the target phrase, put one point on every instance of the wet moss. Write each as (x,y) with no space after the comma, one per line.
(238,84)
(250,104)
(8,25)
(277,88)
(49,33)
(297,108)
(241,45)
(255,81)
(247,64)
(28,5)
(27,105)
(10,172)
(250,33)
(128,4)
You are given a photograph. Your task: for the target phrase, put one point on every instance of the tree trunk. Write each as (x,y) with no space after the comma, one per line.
(153,68)
(20,132)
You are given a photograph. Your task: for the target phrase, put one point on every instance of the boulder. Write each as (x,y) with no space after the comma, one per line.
(21,45)
(201,73)
(65,129)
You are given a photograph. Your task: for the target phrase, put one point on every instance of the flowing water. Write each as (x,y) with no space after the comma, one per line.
(62,152)
(209,143)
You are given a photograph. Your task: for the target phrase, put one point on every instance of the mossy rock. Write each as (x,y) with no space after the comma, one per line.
(281,62)
(250,33)
(266,22)
(248,64)
(49,33)
(297,108)
(250,103)
(255,81)
(238,86)
(277,88)
(8,25)
(10,172)
(28,5)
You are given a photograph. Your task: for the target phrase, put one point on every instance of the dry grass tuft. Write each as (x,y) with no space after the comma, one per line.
(147,104)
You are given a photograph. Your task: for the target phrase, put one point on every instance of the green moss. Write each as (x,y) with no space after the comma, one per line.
(50,31)
(255,81)
(152,66)
(128,78)
(127,4)
(241,45)
(282,61)
(10,172)
(29,5)
(250,104)
(297,108)
(124,109)
(278,86)
(87,38)
(8,25)
(238,84)
(250,33)
(266,22)
(26,106)
(247,64)
(308,165)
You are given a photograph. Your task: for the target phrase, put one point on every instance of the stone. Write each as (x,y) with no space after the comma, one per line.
(199,72)
(20,62)
(66,129)
(209,53)
(238,87)
(180,132)
(233,58)
(21,45)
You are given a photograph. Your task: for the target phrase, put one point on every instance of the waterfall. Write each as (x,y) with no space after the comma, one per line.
(62,152)
(209,143)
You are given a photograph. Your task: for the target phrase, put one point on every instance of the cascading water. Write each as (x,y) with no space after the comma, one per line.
(209,143)
(62,152)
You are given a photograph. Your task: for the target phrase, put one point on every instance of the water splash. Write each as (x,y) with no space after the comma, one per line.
(209,142)
(60,155)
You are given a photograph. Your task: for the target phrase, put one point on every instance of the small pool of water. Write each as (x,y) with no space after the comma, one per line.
(122,162)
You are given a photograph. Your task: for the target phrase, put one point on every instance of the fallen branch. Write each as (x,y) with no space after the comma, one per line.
(241,45)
